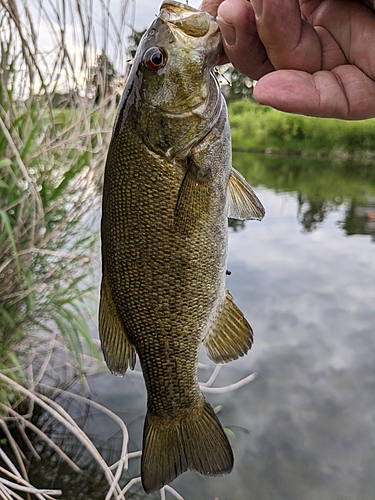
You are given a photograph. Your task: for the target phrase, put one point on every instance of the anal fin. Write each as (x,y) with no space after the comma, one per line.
(230,336)
(119,352)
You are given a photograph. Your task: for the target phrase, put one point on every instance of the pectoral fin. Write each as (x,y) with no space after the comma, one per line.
(193,198)
(231,336)
(243,202)
(119,352)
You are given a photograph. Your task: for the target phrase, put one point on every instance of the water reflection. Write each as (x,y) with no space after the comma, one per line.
(304,429)
(321,186)
(360,218)
(311,213)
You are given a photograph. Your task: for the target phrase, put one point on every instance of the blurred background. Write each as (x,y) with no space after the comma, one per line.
(299,409)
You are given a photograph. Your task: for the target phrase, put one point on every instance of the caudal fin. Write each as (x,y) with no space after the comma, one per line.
(171,447)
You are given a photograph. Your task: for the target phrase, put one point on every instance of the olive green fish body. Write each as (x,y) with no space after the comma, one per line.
(155,268)
(168,190)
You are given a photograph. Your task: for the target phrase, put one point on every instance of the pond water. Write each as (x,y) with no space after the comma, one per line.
(304,429)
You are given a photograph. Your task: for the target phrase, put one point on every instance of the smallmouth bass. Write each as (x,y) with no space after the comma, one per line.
(169,188)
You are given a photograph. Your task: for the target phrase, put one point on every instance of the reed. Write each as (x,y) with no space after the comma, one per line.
(53,142)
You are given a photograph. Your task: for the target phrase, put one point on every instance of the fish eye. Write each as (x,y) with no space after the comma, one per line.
(155,58)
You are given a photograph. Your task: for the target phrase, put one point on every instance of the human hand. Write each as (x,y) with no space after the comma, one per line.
(313,57)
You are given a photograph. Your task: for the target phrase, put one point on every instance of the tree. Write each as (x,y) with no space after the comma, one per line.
(240,86)
(102,79)
(134,40)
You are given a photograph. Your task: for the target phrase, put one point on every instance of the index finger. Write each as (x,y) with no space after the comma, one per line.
(290,41)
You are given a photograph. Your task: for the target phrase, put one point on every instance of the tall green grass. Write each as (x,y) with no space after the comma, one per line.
(51,162)
(256,127)
(46,187)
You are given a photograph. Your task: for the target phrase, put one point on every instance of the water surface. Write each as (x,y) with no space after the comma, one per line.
(304,429)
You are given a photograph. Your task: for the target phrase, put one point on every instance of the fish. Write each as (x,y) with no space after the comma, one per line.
(169,188)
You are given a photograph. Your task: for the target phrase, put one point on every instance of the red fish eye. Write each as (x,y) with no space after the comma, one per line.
(155,58)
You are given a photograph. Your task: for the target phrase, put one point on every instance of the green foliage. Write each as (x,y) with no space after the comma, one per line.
(258,127)
(45,247)
(240,86)
(51,161)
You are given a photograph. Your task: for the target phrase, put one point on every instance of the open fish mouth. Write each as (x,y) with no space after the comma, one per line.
(188,20)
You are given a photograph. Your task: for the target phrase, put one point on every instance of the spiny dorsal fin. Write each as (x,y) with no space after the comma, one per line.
(230,336)
(119,352)
(196,442)
(243,202)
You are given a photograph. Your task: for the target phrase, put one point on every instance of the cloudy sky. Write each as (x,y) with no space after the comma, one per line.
(99,25)
(145,11)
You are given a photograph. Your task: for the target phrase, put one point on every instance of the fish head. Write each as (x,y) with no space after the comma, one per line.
(179,52)
(175,93)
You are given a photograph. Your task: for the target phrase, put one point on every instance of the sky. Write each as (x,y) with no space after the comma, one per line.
(145,11)
(58,24)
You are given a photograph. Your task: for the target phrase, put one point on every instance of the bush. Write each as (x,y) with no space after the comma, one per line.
(257,127)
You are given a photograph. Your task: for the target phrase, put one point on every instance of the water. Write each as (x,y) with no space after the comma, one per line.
(304,429)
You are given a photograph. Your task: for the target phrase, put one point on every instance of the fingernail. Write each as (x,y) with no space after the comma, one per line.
(258,7)
(227,31)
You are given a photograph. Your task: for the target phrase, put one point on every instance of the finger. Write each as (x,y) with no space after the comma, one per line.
(346,93)
(351,25)
(240,38)
(290,42)
(210,6)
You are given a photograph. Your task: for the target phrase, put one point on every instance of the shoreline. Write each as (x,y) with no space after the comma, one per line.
(339,155)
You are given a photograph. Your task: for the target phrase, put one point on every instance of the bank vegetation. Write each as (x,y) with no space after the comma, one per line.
(262,129)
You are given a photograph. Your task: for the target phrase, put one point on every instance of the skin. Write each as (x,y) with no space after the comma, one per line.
(312,57)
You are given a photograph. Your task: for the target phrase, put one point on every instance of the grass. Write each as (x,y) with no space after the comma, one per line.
(261,128)
(51,162)
(46,190)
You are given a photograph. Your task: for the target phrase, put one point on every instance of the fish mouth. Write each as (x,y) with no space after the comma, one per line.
(188,20)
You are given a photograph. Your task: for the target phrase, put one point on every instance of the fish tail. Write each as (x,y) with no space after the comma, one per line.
(197,442)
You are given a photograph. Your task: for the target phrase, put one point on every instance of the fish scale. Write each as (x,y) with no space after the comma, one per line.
(169,188)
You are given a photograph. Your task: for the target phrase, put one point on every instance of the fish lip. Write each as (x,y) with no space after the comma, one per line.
(178,6)
(188,25)
(188,20)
